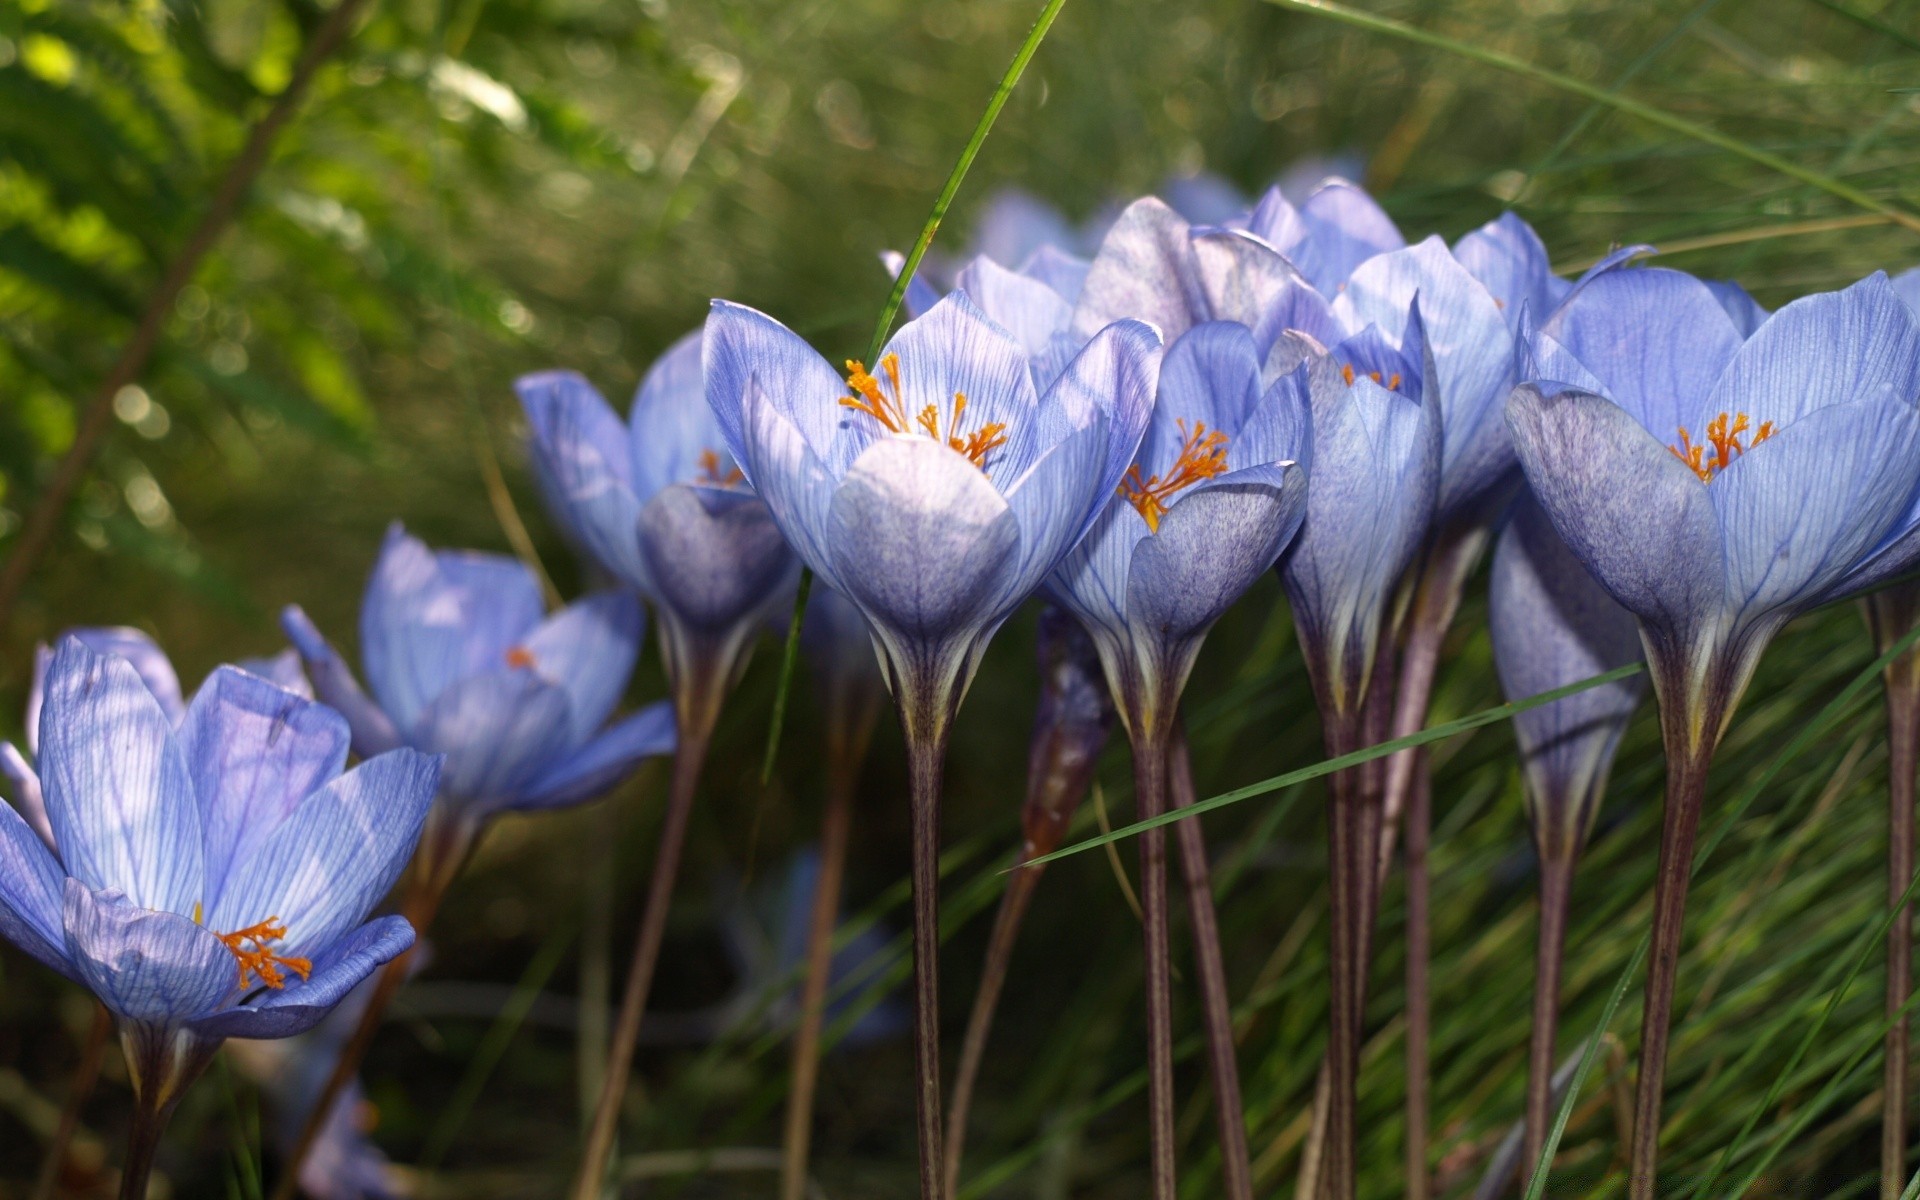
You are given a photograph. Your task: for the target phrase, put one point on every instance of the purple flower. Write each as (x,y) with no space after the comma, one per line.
(212,880)
(463,661)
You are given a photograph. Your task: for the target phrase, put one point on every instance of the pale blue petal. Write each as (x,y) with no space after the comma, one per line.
(1345,227)
(956,350)
(583,455)
(1112,380)
(599,765)
(744,347)
(1280,428)
(1743,310)
(302,1004)
(1627,507)
(255,752)
(31,892)
(588,648)
(283,670)
(1055,503)
(671,428)
(335,686)
(1215,540)
(1065,273)
(328,864)
(1799,510)
(1275,221)
(1241,276)
(498,731)
(920,295)
(716,557)
(1906,285)
(1023,306)
(121,641)
(1015,223)
(158,968)
(1145,271)
(1204,198)
(795,485)
(117,787)
(1091,581)
(24,783)
(1210,377)
(1510,261)
(1847,347)
(920,540)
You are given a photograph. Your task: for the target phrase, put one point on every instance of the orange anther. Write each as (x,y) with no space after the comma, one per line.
(1203,455)
(710,471)
(885,405)
(1723,440)
(520,656)
(249,947)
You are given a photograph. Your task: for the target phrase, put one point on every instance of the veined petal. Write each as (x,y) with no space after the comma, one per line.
(1113,377)
(148,966)
(282,670)
(1015,223)
(255,752)
(498,731)
(333,681)
(32,888)
(1054,503)
(330,862)
(1205,198)
(1846,347)
(1658,340)
(1065,273)
(304,1003)
(1091,580)
(671,427)
(1624,503)
(920,539)
(588,648)
(790,478)
(1210,377)
(921,294)
(1510,261)
(583,455)
(1216,539)
(1344,228)
(1743,310)
(117,787)
(957,350)
(1280,428)
(1906,285)
(1240,275)
(121,641)
(604,760)
(1145,271)
(1798,511)
(1024,306)
(745,347)
(1275,221)
(28,799)
(716,557)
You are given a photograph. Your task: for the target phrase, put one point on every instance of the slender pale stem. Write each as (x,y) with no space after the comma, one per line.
(1216,1007)
(162,1065)
(1419,818)
(1556,884)
(444,849)
(926,753)
(835,826)
(1014,903)
(143,1140)
(1347,917)
(92,1052)
(1891,614)
(696,729)
(1687,764)
(1150,800)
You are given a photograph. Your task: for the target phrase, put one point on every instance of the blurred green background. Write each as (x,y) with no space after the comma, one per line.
(477,188)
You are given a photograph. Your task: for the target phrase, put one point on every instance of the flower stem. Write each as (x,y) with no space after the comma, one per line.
(162,1065)
(697,708)
(926,754)
(1150,800)
(1687,761)
(1014,903)
(1216,1008)
(835,827)
(1556,884)
(92,1052)
(1419,817)
(1891,614)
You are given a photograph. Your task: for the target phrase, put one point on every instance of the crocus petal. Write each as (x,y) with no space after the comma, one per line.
(920,538)
(121,641)
(716,557)
(1059,270)
(430,620)
(1014,223)
(283,670)
(1626,506)
(1023,306)
(302,1004)
(255,752)
(745,347)
(1145,270)
(154,967)
(920,295)
(1210,377)
(1800,509)
(1091,580)
(1844,347)
(1054,504)
(604,760)
(1743,310)
(588,648)
(1280,428)
(330,862)
(1657,338)
(28,799)
(581,451)
(1215,540)
(1114,375)
(956,350)
(1510,261)
(498,731)
(670,425)
(117,787)
(1240,275)
(1345,227)
(31,892)
(333,681)
(791,479)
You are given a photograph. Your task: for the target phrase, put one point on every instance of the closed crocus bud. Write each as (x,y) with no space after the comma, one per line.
(1070,728)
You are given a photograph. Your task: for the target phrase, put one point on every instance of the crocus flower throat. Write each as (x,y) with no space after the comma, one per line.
(890,410)
(1723,438)
(249,947)
(1203,455)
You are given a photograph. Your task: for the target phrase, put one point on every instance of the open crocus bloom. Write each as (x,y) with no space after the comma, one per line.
(661,504)
(936,491)
(1216,492)
(211,881)
(1717,487)
(1552,625)
(463,661)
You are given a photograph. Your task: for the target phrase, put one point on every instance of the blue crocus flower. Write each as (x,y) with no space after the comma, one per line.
(1216,492)
(1327,235)
(1717,486)
(212,880)
(463,661)
(662,506)
(1553,625)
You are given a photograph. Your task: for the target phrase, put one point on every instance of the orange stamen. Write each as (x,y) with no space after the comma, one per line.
(884,404)
(1723,440)
(249,946)
(520,656)
(1346,373)
(710,471)
(1203,455)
